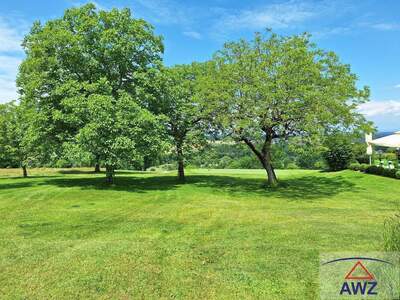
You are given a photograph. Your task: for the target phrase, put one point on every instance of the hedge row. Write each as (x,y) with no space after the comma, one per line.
(392,173)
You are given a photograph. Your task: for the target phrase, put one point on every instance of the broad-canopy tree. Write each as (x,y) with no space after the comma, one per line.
(119,131)
(176,100)
(84,47)
(275,87)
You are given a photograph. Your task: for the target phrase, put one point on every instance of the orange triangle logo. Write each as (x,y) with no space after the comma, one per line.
(359,272)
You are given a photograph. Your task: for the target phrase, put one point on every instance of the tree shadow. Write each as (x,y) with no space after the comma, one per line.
(122,183)
(77,172)
(298,188)
(83,172)
(16,184)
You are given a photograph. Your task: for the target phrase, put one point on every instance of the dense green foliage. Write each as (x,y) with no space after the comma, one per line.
(275,87)
(339,152)
(358,167)
(94,91)
(7,135)
(86,59)
(230,155)
(376,170)
(119,131)
(381,171)
(176,100)
(221,235)
(20,143)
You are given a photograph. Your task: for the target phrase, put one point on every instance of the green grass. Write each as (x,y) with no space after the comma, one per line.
(66,235)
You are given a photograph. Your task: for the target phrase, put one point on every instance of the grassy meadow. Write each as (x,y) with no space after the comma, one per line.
(65,234)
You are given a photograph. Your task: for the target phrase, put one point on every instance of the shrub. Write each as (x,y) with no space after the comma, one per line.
(389,173)
(355,166)
(392,233)
(338,156)
(246,162)
(374,170)
(168,167)
(63,163)
(292,165)
(389,156)
(308,158)
(152,169)
(359,167)
(392,173)
(362,158)
(225,162)
(320,164)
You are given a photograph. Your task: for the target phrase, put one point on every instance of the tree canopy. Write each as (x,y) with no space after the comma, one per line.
(20,142)
(119,131)
(274,87)
(177,100)
(93,86)
(87,55)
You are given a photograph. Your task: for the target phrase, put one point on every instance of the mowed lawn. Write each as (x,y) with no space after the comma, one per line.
(64,234)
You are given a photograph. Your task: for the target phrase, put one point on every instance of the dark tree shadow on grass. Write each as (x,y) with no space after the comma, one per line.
(83,172)
(298,188)
(122,183)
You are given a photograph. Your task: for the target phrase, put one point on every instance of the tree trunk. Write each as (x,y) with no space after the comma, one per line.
(146,163)
(264,156)
(97,167)
(110,173)
(181,168)
(272,180)
(24,171)
(181,171)
(97,164)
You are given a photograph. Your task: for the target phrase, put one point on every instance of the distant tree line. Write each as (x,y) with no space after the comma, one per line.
(93,90)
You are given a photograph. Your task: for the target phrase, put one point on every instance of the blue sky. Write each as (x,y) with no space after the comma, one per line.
(365,34)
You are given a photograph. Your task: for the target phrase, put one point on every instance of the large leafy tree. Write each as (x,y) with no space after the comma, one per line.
(113,127)
(176,99)
(84,48)
(119,131)
(274,87)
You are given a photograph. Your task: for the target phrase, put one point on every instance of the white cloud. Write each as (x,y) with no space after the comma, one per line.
(9,65)
(10,38)
(382,26)
(10,58)
(351,28)
(8,73)
(287,14)
(397,86)
(97,4)
(385,26)
(380,108)
(274,15)
(385,114)
(8,90)
(326,32)
(193,34)
(163,11)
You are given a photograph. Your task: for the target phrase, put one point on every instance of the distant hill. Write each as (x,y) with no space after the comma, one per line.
(382,134)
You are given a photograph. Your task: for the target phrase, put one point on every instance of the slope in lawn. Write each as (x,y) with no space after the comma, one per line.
(222,235)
